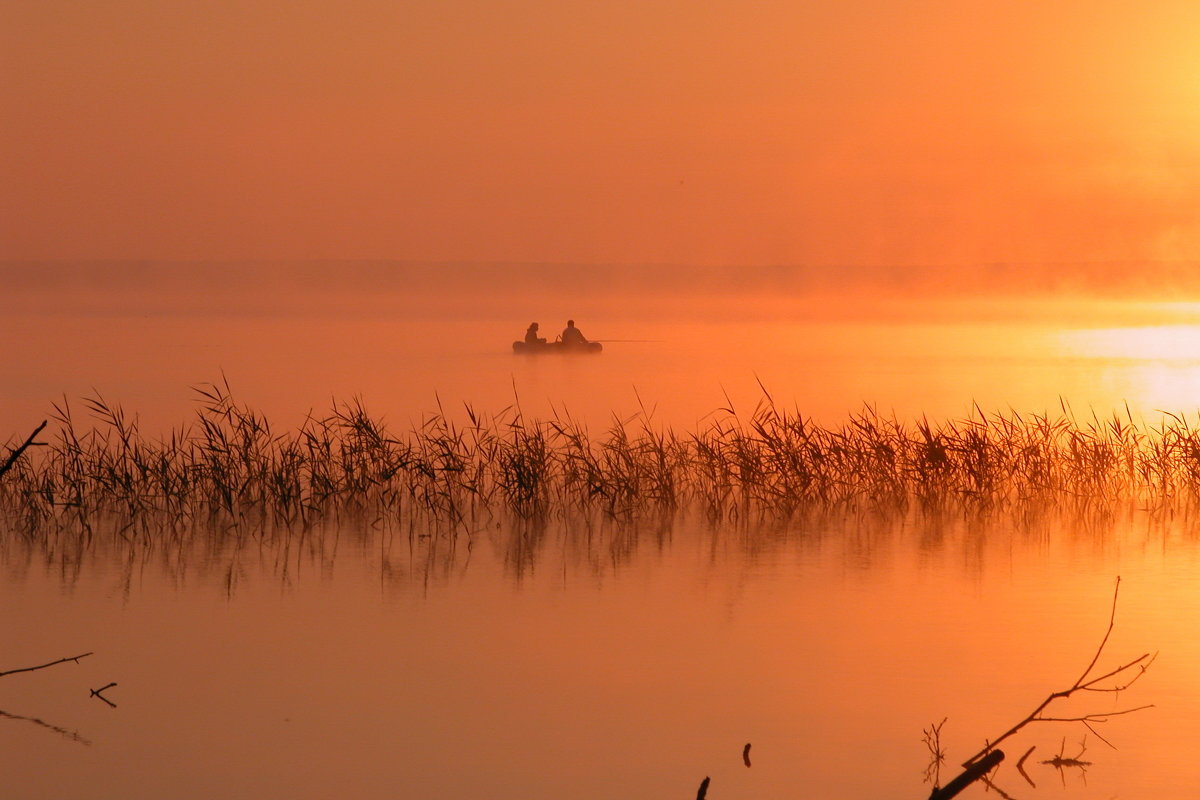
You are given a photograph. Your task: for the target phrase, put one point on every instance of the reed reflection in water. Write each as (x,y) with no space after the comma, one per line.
(633,656)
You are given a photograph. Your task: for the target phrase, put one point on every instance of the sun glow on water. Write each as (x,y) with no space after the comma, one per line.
(1157,343)
(1154,367)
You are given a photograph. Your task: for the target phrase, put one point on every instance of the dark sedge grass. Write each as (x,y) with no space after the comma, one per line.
(229,466)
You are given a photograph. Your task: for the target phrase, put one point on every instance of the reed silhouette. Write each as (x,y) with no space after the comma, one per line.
(231,467)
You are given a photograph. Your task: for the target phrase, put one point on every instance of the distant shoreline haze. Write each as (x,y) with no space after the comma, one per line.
(1076,292)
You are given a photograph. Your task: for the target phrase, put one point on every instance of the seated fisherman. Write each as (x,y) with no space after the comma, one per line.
(572,335)
(531,335)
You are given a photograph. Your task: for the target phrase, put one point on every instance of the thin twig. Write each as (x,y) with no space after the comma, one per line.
(937,756)
(1090,686)
(43,666)
(1112,617)
(98,693)
(1101,717)
(15,454)
(1083,683)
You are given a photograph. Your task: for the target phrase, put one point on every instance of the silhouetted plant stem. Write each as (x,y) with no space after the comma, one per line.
(44,666)
(230,466)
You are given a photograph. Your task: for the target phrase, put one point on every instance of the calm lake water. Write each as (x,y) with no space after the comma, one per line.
(591,660)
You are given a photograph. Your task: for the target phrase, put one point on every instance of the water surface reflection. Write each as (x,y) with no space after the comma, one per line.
(589,657)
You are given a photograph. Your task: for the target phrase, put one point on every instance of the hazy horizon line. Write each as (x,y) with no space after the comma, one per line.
(1101,279)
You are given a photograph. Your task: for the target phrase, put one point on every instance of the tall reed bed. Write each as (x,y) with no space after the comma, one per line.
(229,467)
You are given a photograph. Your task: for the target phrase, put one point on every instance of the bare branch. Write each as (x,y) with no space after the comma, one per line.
(1112,617)
(1102,717)
(100,694)
(43,666)
(1096,733)
(1090,686)
(15,454)
(1082,684)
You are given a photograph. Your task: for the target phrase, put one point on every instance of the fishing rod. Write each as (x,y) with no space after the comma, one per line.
(626,340)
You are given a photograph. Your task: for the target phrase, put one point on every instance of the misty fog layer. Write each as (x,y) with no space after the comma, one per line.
(1081,294)
(678,343)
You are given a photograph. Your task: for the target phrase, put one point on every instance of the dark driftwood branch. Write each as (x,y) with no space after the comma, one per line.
(1083,684)
(15,454)
(968,776)
(43,666)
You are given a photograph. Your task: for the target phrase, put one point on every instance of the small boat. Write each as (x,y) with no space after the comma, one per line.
(562,348)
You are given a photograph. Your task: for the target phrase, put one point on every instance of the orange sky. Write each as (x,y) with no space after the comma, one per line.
(858,132)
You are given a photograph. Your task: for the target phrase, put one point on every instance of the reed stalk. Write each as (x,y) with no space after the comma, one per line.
(229,466)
